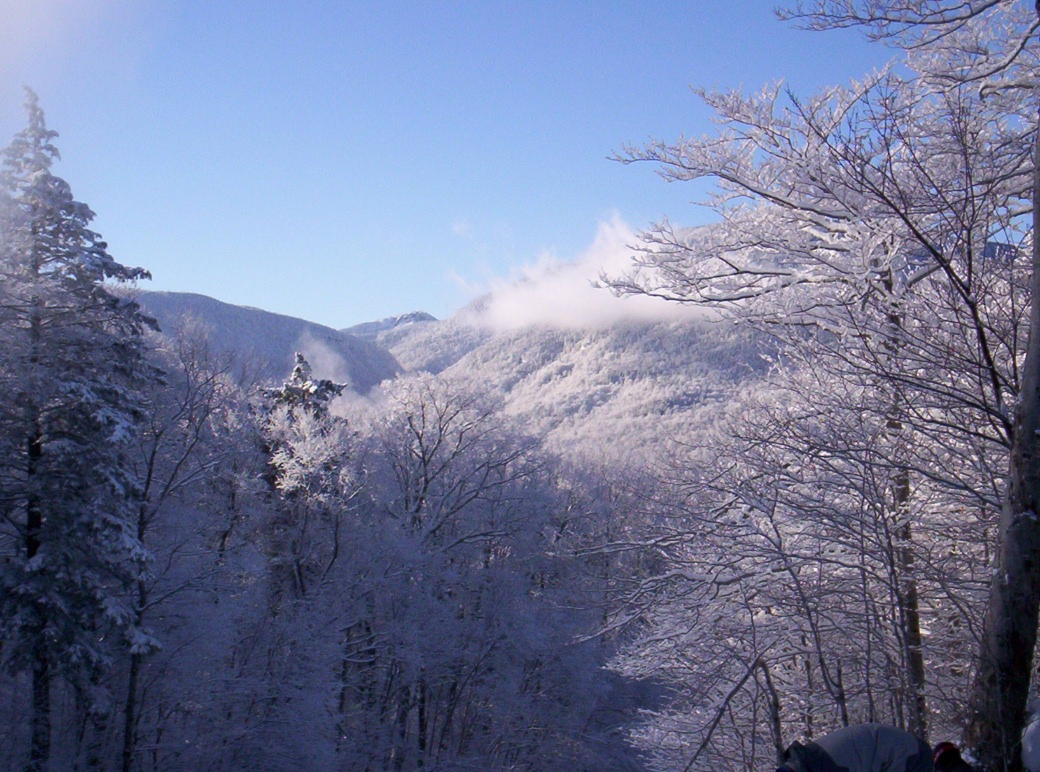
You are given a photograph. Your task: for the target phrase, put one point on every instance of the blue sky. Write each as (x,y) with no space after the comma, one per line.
(346,161)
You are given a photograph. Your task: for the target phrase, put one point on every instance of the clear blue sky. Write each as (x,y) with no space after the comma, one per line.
(345,161)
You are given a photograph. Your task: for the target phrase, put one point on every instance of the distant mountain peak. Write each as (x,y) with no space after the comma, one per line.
(371,329)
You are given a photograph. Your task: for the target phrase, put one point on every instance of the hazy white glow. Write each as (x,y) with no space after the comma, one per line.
(31,27)
(324,362)
(556,293)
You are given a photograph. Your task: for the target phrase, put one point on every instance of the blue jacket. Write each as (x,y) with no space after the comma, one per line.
(860,748)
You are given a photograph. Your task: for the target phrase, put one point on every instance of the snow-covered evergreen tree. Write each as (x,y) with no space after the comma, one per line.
(70,366)
(307,455)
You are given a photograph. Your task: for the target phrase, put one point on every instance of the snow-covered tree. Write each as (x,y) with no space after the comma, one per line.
(309,477)
(778,607)
(881,227)
(186,442)
(991,47)
(461,646)
(70,367)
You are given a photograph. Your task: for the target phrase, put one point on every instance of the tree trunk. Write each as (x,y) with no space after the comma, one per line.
(998,701)
(776,726)
(40,718)
(423,727)
(909,606)
(40,745)
(136,659)
(913,639)
(130,713)
(909,611)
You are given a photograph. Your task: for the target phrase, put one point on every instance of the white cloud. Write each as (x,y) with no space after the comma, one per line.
(553,292)
(463,229)
(324,362)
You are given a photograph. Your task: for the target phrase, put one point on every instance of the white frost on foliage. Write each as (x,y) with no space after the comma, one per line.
(142,643)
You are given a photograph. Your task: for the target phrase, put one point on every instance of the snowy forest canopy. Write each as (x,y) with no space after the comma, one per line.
(601,550)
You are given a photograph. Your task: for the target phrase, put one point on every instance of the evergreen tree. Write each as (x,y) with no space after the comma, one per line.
(307,451)
(70,366)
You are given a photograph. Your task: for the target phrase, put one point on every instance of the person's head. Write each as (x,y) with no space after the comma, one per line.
(946,757)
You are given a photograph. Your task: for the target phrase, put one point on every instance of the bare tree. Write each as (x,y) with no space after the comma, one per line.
(179,451)
(864,202)
(991,45)
(461,544)
(779,608)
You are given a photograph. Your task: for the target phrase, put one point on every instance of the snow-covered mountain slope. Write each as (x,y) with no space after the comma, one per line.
(434,346)
(616,392)
(265,343)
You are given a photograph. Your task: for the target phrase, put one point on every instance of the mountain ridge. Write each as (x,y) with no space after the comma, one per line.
(369,330)
(266,343)
(613,393)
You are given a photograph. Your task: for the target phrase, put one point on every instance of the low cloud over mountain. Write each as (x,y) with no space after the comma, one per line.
(556,293)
